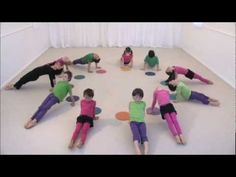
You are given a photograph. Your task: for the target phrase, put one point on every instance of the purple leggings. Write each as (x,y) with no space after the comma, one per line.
(199,96)
(139,131)
(45,106)
(79,61)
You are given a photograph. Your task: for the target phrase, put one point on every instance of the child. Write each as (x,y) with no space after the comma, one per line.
(168,113)
(137,124)
(85,119)
(61,89)
(183,93)
(151,60)
(50,69)
(127,58)
(88,59)
(173,71)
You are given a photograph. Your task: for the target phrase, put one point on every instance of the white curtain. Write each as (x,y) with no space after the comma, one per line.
(114,34)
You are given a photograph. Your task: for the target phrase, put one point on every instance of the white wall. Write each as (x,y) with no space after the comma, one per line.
(21,44)
(213,45)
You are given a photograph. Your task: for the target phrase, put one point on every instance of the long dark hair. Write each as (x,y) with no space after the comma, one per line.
(128,49)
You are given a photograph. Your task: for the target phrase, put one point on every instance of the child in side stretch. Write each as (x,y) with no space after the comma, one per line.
(168,113)
(184,93)
(51,69)
(88,59)
(61,89)
(127,58)
(151,60)
(85,119)
(173,72)
(137,124)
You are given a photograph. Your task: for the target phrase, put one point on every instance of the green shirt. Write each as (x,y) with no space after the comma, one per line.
(151,61)
(137,111)
(88,58)
(182,92)
(61,89)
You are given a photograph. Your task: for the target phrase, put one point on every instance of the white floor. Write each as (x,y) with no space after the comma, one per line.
(208,130)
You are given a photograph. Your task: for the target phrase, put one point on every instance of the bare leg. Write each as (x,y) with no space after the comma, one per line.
(71,144)
(214,103)
(178,140)
(146,147)
(137,148)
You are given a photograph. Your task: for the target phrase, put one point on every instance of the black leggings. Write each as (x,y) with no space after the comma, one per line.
(31,76)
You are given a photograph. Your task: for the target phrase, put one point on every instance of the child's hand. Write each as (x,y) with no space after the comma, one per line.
(72,104)
(96,118)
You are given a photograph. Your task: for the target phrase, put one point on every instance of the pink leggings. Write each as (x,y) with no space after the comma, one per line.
(197,76)
(84,126)
(173,123)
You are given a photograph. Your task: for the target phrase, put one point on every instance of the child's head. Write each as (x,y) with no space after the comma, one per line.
(96,58)
(67,76)
(137,94)
(128,51)
(88,93)
(151,53)
(59,64)
(66,60)
(169,70)
(172,85)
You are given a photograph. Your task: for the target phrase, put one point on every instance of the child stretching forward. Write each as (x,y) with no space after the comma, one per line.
(168,113)
(61,89)
(85,119)
(137,124)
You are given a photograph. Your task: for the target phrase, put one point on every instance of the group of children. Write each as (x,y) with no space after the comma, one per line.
(62,87)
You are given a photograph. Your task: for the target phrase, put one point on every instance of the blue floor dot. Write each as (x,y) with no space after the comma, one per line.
(79,77)
(98,110)
(173,96)
(150,73)
(76,98)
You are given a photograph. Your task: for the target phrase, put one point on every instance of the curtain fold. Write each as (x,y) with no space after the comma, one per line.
(64,35)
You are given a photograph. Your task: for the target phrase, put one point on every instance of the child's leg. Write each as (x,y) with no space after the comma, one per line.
(172,127)
(177,126)
(136,136)
(199,96)
(84,132)
(197,76)
(45,106)
(143,134)
(31,76)
(75,134)
(77,61)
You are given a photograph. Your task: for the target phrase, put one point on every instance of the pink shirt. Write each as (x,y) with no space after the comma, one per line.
(180,70)
(161,96)
(88,108)
(127,58)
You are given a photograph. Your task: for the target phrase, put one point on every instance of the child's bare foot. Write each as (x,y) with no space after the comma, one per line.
(182,139)
(214,100)
(31,123)
(209,82)
(79,145)
(178,139)
(214,103)
(9,87)
(71,144)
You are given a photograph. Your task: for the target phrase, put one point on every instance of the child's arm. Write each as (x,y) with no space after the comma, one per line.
(154,100)
(131,62)
(52,80)
(89,67)
(72,98)
(158,67)
(94,111)
(97,67)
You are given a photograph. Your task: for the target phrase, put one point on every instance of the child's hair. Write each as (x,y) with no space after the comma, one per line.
(89,92)
(151,53)
(69,74)
(169,72)
(128,49)
(97,60)
(172,87)
(138,91)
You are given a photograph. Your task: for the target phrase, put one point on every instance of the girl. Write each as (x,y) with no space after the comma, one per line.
(183,93)
(61,89)
(127,58)
(88,59)
(168,113)
(151,60)
(137,124)
(173,71)
(50,69)
(85,119)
